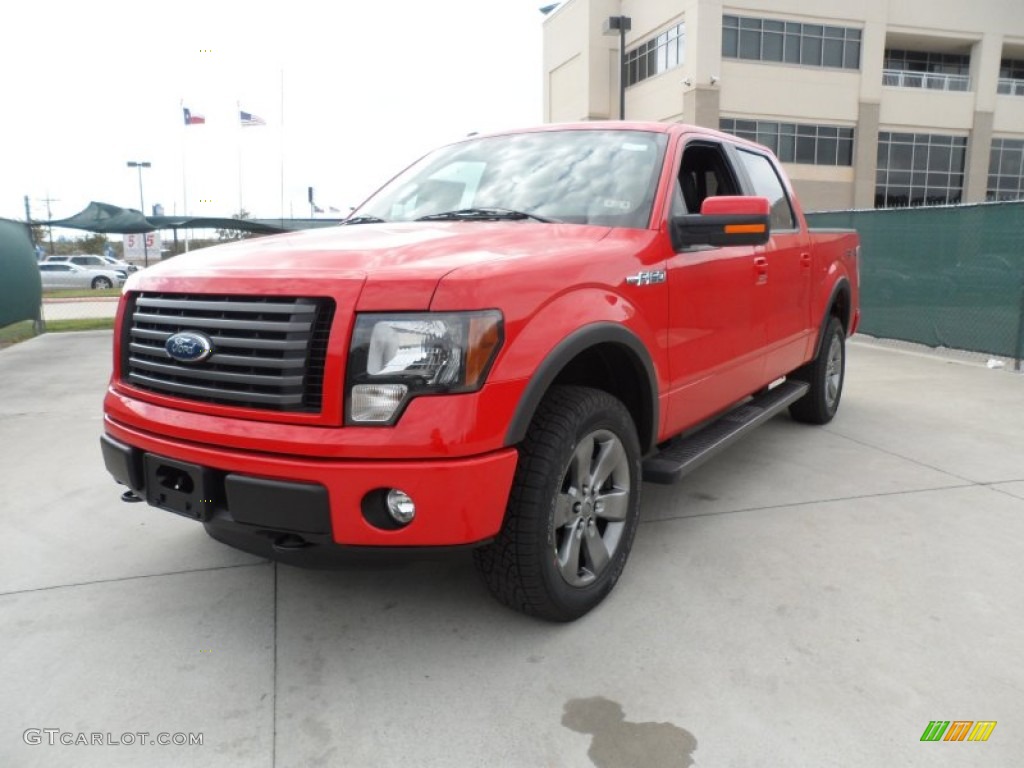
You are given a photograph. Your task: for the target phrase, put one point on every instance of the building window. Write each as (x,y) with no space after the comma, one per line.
(1011,77)
(790,42)
(1006,170)
(796,142)
(657,55)
(919,169)
(918,69)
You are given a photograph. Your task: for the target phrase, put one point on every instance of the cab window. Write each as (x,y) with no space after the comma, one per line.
(766,183)
(704,172)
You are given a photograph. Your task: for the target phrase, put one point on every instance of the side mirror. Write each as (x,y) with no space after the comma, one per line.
(723,221)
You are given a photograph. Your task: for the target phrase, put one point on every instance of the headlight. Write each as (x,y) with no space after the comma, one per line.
(395,357)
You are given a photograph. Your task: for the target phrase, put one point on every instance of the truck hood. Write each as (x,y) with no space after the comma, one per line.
(401,262)
(431,249)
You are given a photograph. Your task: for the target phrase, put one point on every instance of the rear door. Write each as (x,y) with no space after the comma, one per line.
(784,265)
(717,321)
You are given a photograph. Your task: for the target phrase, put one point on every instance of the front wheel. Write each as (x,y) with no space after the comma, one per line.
(573,509)
(825,375)
(101,283)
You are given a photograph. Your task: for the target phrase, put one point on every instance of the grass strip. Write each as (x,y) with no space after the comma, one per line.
(80,324)
(81,293)
(15,332)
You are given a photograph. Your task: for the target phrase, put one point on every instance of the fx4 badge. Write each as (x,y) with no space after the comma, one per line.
(646,278)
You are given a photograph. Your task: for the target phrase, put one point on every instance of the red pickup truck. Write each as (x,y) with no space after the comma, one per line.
(493,352)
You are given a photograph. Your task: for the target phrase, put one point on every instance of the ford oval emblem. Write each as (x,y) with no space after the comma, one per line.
(189,347)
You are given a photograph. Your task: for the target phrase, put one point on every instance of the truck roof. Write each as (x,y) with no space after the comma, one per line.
(627,125)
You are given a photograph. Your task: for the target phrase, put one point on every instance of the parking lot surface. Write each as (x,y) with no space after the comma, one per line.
(812,597)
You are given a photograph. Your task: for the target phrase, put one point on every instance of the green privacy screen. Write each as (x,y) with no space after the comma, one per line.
(945,277)
(20,290)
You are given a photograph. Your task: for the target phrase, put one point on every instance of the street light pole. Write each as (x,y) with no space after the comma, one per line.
(623,24)
(142,205)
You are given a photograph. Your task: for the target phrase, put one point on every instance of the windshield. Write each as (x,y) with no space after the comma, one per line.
(598,177)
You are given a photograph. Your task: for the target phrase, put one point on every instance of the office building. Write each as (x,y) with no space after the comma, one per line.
(868,103)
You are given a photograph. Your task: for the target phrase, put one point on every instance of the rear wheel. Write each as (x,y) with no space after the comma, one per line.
(573,510)
(825,375)
(101,283)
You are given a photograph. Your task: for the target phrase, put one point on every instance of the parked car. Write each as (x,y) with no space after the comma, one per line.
(94,262)
(64,274)
(120,265)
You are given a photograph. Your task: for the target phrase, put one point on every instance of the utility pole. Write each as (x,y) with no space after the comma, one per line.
(28,223)
(49,217)
(37,322)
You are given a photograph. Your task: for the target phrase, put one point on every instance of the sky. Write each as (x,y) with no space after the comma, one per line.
(351,92)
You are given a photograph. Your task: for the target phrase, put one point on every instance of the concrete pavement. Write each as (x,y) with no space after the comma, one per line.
(812,597)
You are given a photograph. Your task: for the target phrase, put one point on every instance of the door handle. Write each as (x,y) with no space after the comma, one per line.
(760,270)
(805,260)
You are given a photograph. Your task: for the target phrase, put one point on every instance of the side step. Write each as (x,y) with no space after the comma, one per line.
(683,455)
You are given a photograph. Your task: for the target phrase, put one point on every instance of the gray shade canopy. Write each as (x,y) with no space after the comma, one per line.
(112,219)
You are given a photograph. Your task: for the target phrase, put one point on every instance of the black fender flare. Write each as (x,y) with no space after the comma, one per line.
(563,353)
(841,288)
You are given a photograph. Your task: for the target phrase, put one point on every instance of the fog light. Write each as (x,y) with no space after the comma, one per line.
(376,403)
(400,506)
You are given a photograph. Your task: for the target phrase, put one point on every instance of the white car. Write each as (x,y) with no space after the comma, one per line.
(93,261)
(122,266)
(64,274)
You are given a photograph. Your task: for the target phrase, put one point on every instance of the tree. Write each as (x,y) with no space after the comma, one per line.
(95,243)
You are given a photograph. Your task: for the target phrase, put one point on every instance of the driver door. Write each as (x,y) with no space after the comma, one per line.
(717,308)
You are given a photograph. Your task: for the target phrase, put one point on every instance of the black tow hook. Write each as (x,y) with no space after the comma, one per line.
(131,497)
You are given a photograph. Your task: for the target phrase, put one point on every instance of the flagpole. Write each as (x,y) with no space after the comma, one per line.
(238,116)
(282,145)
(184,171)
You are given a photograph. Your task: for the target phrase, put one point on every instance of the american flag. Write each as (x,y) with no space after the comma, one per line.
(249,119)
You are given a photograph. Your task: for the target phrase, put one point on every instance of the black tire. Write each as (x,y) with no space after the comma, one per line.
(101,283)
(564,541)
(825,374)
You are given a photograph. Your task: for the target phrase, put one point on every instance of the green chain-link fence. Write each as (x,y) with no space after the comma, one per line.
(945,277)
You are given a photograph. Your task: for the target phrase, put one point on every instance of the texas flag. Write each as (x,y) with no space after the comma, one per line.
(191,118)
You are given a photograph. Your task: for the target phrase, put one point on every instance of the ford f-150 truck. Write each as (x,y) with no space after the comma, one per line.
(494,351)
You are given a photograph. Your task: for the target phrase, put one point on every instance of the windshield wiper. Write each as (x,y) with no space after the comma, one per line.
(362,220)
(485,214)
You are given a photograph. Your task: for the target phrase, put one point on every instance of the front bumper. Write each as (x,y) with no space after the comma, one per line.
(278,505)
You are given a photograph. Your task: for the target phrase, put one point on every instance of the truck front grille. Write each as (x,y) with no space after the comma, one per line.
(268,351)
